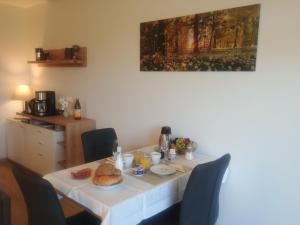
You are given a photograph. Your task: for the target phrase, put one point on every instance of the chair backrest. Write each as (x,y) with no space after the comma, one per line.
(5,212)
(200,204)
(98,144)
(41,199)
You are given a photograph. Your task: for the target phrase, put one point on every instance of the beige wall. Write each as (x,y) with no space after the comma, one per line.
(13,67)
(21,31)
(254,116)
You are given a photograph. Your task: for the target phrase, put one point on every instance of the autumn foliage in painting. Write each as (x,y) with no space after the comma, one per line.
(224,40)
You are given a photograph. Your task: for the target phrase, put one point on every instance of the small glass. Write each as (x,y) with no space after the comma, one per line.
(137,157)
(114,149)
(145,161)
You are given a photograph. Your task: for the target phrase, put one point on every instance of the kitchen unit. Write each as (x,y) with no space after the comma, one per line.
(34,147)
(47,143)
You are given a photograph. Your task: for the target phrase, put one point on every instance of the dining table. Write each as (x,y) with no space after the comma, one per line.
(134,199)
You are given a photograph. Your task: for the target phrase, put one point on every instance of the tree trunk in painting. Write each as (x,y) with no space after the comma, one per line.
(215,40)
(213,27)
(176,36)
(196,34)
(161,37)
(236,34)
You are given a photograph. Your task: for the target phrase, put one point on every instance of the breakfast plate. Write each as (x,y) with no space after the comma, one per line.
(109,187)
(163,170)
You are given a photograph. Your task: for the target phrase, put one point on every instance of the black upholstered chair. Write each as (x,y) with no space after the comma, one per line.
(98,144)
(5,211)
(43,205)
(200,204)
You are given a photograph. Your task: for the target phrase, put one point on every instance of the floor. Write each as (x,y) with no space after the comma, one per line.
(18,208)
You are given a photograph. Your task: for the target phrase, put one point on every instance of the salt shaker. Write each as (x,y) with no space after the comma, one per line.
(172,154)
(189,152)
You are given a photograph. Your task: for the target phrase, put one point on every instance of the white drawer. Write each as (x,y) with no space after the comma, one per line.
(41,150)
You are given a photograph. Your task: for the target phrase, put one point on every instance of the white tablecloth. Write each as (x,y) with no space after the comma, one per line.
(135,199)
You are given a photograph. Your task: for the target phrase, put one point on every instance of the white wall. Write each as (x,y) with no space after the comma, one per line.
(254,116)
(13,67)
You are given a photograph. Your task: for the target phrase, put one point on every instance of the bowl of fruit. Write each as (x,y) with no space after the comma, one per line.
(182,144)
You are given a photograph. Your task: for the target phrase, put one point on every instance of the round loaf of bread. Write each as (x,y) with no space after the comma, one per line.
(107,169)
(107,180)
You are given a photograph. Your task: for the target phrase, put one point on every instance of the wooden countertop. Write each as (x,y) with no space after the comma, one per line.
(57,119)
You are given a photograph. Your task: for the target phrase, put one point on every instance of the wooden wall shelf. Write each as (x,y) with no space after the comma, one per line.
(57,59)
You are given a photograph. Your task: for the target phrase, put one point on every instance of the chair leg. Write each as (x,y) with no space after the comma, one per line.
(5,211)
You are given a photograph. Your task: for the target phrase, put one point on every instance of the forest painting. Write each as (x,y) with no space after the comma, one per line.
(224,40)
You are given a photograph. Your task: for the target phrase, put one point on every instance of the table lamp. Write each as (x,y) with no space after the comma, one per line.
(22,93)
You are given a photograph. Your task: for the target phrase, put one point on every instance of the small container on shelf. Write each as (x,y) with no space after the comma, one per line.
(39,54)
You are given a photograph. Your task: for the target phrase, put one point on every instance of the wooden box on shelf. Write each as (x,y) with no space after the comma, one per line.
(57,59)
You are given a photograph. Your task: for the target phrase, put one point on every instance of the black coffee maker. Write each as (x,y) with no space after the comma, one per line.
(43,104)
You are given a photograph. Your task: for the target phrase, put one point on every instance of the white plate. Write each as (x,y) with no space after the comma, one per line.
(110,186)
(162,169)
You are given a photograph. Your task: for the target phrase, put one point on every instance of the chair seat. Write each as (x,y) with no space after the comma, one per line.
(170,216)
(83,218)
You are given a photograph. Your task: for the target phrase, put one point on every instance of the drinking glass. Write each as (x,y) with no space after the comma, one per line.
(164,147)
(137,157)
(114,149)
(145,161)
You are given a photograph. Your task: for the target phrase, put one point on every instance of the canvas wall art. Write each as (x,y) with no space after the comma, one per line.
(223,40)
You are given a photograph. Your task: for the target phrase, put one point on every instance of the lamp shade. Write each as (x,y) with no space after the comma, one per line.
(22,93)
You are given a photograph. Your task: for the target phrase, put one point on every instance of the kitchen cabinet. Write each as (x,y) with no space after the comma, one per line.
(72,146)
(34,147)
(15,141)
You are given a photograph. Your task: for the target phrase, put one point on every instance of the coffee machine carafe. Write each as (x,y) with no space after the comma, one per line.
(164,140)
(40,108)
(44,104)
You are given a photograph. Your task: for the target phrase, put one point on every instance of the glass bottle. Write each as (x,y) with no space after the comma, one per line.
(77,110)
(189,152)
(115,149)
(119,160)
